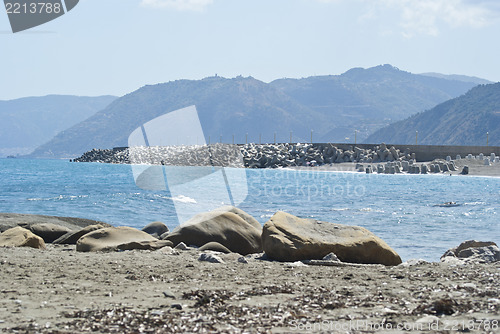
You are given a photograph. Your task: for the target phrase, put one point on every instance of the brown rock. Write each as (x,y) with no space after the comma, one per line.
(228,226)
(48,231)
(214,246)
(71,238)
(289,238)
(113,238)
(243,215)
(474,251)
(21,237)
(156,229)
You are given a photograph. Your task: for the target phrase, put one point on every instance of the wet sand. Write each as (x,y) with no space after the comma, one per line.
(59,290)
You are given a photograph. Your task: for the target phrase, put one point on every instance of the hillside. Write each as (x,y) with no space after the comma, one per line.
(29,122)
(461,121)
(332,106)
(368,99)
(225,106)
(456,77)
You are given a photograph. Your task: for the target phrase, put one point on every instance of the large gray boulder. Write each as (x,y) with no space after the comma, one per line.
(48,231)
(156,229)
(118,238)
(21,237)
(229,226)
(474,251)
(289,238)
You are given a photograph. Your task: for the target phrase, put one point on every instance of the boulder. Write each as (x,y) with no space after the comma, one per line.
(242,214)
(10,220)
(214,246)
(49,232)
(156,229)
(21,237)
(114,238)
(71,238)
(229,226)
(289,238)
(474,251)
(465,170)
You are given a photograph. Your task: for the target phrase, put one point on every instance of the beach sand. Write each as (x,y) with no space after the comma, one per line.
(59,290)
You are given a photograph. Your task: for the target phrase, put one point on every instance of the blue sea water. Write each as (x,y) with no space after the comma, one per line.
(398,208)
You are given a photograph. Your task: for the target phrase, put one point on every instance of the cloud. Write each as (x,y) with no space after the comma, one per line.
(416,17)
(426,16)
(182,5)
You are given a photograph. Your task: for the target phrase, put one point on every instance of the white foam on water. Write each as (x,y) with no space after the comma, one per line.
(184,199)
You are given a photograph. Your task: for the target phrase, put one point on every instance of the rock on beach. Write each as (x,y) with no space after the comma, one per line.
(48,231)
(289,238)
(71,238)
(118,238)
(21,237)
(229,226)
(474,251)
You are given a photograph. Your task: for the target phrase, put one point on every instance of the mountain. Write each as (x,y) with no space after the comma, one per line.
(461,121)
(225,107)
(29,122)
(332,106)
(368,99)
(457,77)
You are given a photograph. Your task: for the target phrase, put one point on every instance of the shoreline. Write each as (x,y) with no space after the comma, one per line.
(62,291)
(61,287)
(475,169)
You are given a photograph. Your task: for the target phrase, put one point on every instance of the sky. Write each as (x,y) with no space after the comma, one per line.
(114,47)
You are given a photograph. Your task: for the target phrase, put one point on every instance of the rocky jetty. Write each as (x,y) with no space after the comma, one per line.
(380,159)
(223,155)
(248,155)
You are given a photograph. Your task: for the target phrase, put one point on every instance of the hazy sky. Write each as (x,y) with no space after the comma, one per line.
(116,46)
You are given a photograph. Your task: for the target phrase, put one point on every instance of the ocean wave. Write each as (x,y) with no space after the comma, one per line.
(371,210)
(57,198)
(184,199)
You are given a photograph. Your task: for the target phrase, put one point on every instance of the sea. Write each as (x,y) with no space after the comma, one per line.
(404,210)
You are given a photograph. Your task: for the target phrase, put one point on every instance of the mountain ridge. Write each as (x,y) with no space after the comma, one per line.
(332,106)
(28,122)
(465,120)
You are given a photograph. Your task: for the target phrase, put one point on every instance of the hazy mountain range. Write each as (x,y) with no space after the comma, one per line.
(461,121)
(28,122)
(333,106)
(368,99)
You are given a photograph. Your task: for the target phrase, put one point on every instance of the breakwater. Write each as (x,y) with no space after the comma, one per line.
(248,155)
(283,155)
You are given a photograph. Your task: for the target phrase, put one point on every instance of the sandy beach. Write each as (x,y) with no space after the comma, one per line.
(59,290)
